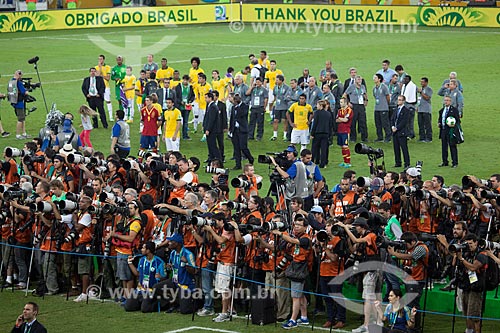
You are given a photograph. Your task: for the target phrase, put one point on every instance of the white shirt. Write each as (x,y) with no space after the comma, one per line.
(410,92)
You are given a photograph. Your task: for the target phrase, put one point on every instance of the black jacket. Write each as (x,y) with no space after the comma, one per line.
(322,123)
(239,113)
(401,122)
(159,93)
(36,327)
(178,95)
(99,85)
(212,122)
(223,113)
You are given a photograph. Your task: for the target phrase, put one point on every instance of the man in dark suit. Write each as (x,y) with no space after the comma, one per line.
(212,126)
(448,139)
(238,129)
(184,96)
(223,124)
(164,93)
(93,89)
(400,120)
(27,322)
(353,72)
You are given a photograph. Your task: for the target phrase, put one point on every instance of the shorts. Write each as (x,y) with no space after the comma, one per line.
(297,289)
(223,277)
(300,136)
(123,272)
(343,139)
(84,265)
(148,142)
(20,114)
(370,281)
(173,145)
(279,114)
(107,94)
(270,96)
(472,302)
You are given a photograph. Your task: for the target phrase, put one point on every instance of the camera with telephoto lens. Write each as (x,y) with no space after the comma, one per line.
(218,171)
(14,152)
(200,221)
(422,195)
(38,238)
(249,228)
(427,237)
(407,190)
(161,211)
(29,160)
(96,162)
(322,236)
(270,226)
(384,242)
(325,198)
(99,171)
(121,209)
(364,181)
(283,262)
(73,235)
(66,205)
(459,197)
(241,182)
(159,166)
(468,183)
(362,149)
(15,193)
(95,210)
(77,159)
(491,195)
(454,248)
(236,205)
(131,163)
(488,245)
(42,207)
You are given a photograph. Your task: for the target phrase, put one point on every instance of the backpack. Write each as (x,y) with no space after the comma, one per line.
(262,72)
(491,275)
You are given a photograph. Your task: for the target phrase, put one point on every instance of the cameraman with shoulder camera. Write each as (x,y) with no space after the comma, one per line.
(17,93)
(365,249)
(416,260)
(471,279)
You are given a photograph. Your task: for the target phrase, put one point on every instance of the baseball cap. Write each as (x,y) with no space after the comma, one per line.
(67,124)
(376,183)
(413,172)
(360,211)
(317,209)
(176,238)
(291,149)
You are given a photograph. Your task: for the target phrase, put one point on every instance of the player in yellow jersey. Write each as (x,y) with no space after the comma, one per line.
(195,70)
(199,105)
(172,122)
(164,72)
(129,90)
(176,79)
(302,115)
(271,81)
(139,89)
(105,71)
(219,85)
(264,60)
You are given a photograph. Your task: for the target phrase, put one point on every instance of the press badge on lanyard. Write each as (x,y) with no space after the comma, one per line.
(472,277)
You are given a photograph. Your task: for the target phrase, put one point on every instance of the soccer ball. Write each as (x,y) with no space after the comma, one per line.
(451,121)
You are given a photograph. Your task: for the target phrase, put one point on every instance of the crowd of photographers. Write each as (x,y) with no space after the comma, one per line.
(148,224)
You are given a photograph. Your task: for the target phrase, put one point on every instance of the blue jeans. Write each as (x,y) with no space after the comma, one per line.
(185,119)
(335,308)
(207,279)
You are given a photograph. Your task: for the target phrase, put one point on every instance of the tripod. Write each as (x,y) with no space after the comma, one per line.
(34,61)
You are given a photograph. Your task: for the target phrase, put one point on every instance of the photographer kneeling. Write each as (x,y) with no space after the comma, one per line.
(150,270)
(416,260)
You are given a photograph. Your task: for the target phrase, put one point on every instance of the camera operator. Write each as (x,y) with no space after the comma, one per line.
(187,176)
(296,204)
(332,265)
(150,269)
(126,238)
(275,247)
(302,174)
(302,244)
(254,180)
(365,249)
(391,178)
(9,169)
(48,233)
(27,321)
(22,233)
(460,230)
(416,260)
(343,198)
(62,173)
(225,266)
(48,166)
(85,229)
(113,176)
(17,94)
(471,279)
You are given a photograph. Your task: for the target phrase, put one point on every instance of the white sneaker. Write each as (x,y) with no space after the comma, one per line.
(81,298)
(360,329)
(222,317)
(205,312)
